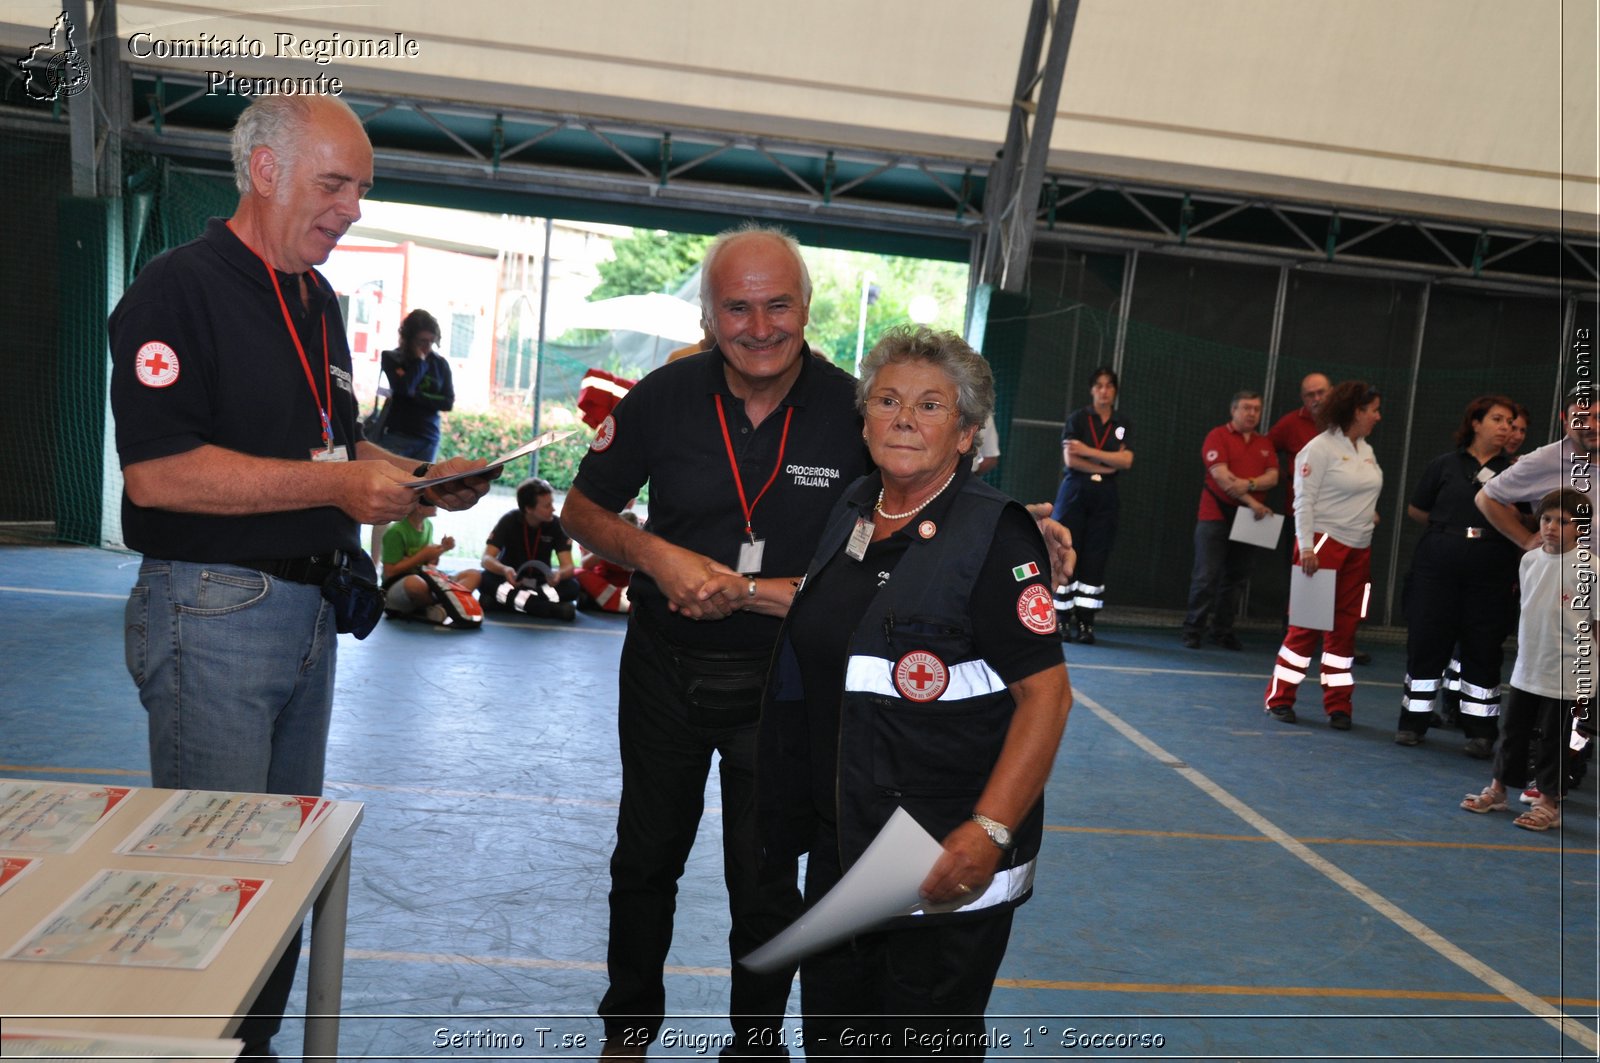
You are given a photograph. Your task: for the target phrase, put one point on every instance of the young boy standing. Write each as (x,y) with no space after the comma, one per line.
(1553,680)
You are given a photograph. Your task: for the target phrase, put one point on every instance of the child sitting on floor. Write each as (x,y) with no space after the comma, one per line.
(1554,635)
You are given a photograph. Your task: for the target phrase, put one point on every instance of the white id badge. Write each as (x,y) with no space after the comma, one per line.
(750,556)
(1485,474)
(859,538)
(332,453)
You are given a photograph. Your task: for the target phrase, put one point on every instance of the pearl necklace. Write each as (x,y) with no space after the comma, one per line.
(914,510)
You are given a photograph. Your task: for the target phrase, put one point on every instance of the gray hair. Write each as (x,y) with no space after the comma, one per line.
(275,122)
(728,236)
(967,369)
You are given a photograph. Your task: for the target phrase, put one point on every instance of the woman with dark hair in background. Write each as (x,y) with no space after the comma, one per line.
(1336,486)
(1461,589)
(1094,449)
(420,389)
(1519,431)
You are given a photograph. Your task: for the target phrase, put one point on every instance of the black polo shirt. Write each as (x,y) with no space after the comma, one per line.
(219,368)
(666,431)
(1109,436)
(1449,485)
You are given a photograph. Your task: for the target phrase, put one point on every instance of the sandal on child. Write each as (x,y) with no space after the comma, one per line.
(1539,817)
(1488,800)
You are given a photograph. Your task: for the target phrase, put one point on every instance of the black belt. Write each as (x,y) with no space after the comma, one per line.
(314,570)
(1462,533)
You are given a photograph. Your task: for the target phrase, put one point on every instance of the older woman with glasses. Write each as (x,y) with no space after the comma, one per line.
(1336,486)
(919,668)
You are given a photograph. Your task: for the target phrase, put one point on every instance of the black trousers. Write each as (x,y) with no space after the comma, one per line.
(666,758)
(1221,569)
(1530,722)
(860,998)
(1089,510)
(1459,592)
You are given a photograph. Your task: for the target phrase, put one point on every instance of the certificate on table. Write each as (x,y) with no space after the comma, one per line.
(213,825)
(1311,598)
(13,868)
(1263,532)
(143,919)
(29,1042)
(53,817)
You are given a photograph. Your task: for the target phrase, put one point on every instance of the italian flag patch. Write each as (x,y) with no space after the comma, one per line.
(1028,571)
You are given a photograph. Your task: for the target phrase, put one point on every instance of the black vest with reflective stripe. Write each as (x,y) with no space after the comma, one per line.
(930,757)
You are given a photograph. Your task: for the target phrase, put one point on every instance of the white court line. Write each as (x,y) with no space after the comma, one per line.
(1530,1002)
(66,594)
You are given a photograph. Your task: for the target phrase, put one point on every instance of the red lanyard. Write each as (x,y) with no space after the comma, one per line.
(738,481)
(326,413)
(1099,440)
(526,546)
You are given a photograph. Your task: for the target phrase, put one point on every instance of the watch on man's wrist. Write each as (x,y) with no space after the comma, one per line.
(421,471)
(998,832)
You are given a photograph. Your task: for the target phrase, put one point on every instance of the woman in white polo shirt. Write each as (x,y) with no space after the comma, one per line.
(1336,485)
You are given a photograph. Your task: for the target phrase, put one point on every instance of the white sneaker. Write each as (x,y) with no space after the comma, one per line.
(1530,796)
(435,614)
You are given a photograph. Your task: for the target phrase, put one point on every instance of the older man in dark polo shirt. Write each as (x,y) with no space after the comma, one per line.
(245,477)
(746,447)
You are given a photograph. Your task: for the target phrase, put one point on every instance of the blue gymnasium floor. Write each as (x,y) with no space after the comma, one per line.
(1221,885)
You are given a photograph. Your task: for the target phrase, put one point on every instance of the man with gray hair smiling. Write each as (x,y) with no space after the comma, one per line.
(246,480)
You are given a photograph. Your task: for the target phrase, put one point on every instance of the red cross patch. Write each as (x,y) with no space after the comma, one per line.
(926,529)
(156,365)
(1212,455)
(1036,609)
(920,676)
(605,435)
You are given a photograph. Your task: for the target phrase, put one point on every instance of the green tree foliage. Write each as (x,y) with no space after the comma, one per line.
(837,278)
(648,261)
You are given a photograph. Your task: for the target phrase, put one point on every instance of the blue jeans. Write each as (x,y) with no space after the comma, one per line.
(235,669)
(1221,568)
(409,446)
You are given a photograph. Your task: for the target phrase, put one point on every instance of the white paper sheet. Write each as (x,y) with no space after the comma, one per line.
(1263,532)
(555,435)
(1311,598)
(881,885)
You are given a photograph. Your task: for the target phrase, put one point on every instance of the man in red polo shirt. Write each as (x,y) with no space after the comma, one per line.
(1240,468)
(1298,427)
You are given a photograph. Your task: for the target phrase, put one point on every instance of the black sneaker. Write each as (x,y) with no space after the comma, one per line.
(1283,715)
(1086,634)
(1407,738)
(1191,640)
(1479,748)
(1228,641)
(1339,721)
(1361,658)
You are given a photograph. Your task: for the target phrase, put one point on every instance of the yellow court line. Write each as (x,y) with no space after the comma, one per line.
(1171,988)
(594,802)
(1132,669)
(1201,836)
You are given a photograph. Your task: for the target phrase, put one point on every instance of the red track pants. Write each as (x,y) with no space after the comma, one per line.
(1351,589)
